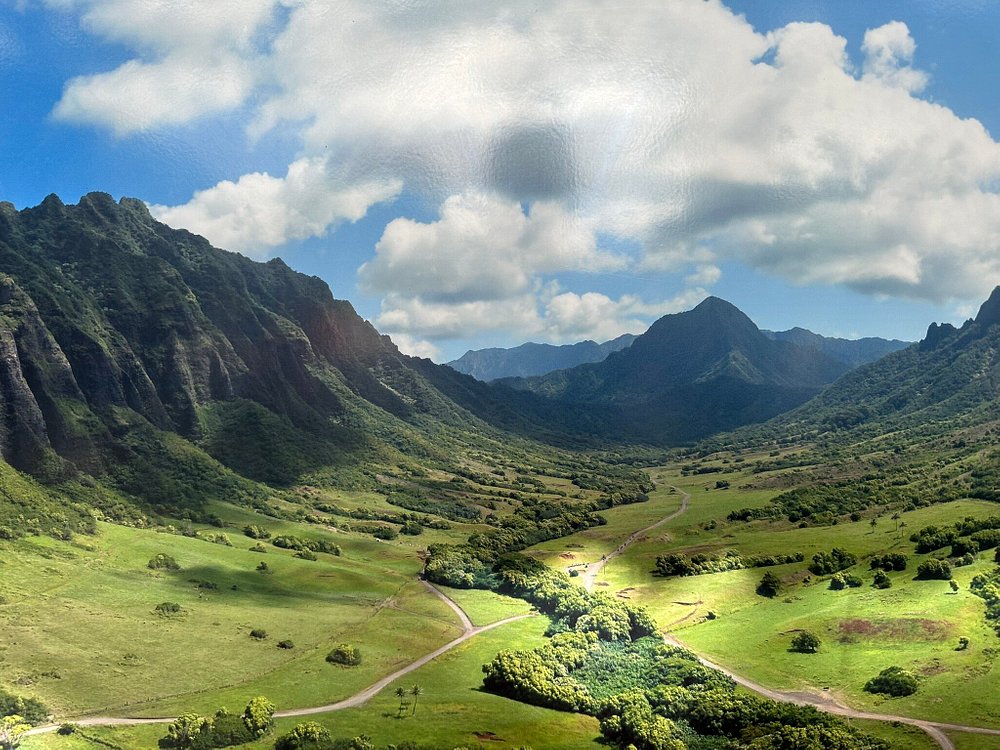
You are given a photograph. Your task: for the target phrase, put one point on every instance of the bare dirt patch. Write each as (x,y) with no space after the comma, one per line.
(487,737)
(894,629)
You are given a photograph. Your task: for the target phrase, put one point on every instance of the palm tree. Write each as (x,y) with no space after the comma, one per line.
(401,694)
(874,523)
(416,691)
(895,517)
(902,525)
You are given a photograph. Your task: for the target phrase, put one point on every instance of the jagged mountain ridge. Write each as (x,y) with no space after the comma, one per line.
(118,333)
(532,359)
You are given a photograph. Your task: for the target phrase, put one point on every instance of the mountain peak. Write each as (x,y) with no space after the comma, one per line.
(989,313)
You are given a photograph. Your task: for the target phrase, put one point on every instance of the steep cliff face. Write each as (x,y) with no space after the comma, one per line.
(114,325)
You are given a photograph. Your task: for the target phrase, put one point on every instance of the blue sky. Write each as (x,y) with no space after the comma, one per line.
(474,175)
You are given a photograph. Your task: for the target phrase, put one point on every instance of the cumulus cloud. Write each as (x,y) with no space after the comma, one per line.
(193,59)
(259,212)
(482,248)
(542,130)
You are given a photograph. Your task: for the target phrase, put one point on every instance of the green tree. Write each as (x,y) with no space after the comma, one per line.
(306,736)
(182,732)
(769,585)
(259,715)
(805,643)
(12,728)
(401,694)
(416,691)
(894,681)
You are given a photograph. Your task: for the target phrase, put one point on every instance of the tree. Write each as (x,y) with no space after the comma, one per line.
(874,523)
(934,569)
(894,681)
(805,643)
(416,691)
(182,732)
(12,728)
(954,585)
(401,694)
(345,654)
(259,715)
(769,585)
(882,581)
(304,737)
(896,517)
(902,525)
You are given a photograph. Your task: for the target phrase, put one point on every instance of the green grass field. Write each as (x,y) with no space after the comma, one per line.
(915,624)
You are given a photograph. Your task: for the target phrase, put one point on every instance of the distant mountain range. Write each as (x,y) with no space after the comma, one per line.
(691,374)
(531,359)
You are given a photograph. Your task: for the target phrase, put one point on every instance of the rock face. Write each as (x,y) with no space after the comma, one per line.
(113,325)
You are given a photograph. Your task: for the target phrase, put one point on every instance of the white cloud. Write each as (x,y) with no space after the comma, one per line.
(260,212)
(888,52)
(193,59)
(415,347)
(673,126)
(572,317)
(481,248)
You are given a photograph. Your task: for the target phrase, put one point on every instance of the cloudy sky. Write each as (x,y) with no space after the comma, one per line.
(476,174)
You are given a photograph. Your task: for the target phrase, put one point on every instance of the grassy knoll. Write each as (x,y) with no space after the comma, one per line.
(902,736)
(485,607)
(82,634)
(915,624)
(452,710)
(969,741)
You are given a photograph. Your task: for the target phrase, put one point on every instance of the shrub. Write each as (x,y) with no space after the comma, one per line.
(411,528)
(769,585)
(287,645)
(256,532)
(305,554)
(263,567)
(844,580)
(29,709)
(258,633)
(345,655)
(163,562)
(833,561)
(167,608)
(388,533)
(307,736)
(892,561)
(882,581)
(259,715)
(259,548)
(934,570)
(894,681)
(963,643)
(805,643)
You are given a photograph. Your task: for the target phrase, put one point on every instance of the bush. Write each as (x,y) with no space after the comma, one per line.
(307,736)
(29,709)
(306,554)
(934,570)
(387,533)
(287,645)
(411,528)
(833,561)
(882,581)
(263,567)
(805,643)
(259,548)
(167,608)
(345,654)
(258,633)
(894,681)
(844,580)
(163,562)
(769,585)
(256,532)
(892,561)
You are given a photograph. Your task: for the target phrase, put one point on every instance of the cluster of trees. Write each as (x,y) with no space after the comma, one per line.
(891,561)
(842,580)
(682,565)
(306,545)
(313,736)
(195,732)
(825,563)
(987,587)
(162,561)
(934,569)
(982,533)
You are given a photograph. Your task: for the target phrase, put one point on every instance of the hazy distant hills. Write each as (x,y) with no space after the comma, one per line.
(852,352)
(531,359)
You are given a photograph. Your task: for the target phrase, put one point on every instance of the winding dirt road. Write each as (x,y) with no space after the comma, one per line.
(360,698)
(594,568)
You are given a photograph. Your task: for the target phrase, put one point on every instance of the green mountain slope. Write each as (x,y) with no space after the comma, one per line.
(532,359)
